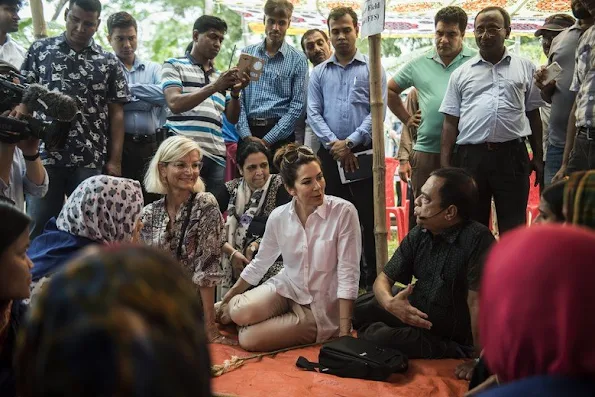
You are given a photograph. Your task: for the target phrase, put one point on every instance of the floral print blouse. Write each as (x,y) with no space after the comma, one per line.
(201,249)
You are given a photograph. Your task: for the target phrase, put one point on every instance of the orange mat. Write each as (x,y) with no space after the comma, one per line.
(279,376)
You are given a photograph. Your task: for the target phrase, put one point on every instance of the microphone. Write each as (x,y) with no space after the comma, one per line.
(423,218)
(54,104)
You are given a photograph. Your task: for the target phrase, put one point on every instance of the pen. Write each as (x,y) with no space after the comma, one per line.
(232,54)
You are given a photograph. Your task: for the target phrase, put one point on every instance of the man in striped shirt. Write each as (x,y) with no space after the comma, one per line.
(579,151)
(272,105)
(195,94)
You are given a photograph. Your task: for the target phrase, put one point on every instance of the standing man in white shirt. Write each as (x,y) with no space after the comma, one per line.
(10,51)
(491,106)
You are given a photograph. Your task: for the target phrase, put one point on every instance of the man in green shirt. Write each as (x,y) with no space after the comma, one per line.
(429,74)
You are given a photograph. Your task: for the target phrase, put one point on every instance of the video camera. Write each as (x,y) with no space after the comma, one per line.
(61,108)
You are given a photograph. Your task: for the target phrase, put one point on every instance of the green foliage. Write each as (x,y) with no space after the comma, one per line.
(232,39)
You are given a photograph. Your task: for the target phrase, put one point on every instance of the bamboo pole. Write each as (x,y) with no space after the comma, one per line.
(39,25)
(378,167)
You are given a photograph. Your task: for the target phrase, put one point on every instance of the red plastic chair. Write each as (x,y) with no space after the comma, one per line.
(401,213)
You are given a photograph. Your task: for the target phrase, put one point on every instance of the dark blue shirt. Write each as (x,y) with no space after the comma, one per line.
(94,78)
(52,249)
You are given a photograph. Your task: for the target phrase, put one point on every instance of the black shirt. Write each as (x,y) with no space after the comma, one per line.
(446,266)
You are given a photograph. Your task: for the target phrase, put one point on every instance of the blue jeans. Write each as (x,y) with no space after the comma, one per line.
(213,175)
(553,162)
(63,181)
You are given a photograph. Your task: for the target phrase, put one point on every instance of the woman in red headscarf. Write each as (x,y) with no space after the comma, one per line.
(537,312)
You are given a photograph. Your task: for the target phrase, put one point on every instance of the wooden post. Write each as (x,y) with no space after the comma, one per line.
(377,110)
(39,25)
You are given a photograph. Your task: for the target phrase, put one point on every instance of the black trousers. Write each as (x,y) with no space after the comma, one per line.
(360,194)
(375,324)
(501,171)
(135,161)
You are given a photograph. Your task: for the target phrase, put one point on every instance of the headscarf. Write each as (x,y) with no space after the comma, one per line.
(537,302)
(121,322)
(102,208)
(579,199)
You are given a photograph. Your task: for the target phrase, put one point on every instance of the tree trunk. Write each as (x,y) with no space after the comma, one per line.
(39,26)
(59,8)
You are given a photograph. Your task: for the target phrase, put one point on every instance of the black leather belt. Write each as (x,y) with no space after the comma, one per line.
(140,138)
(493,146)
(261,122)
(586,132)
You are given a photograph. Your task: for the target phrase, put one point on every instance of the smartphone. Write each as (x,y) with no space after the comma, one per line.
(551,72)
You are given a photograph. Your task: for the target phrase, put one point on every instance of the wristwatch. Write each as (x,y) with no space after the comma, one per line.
(350,145)
(31,158)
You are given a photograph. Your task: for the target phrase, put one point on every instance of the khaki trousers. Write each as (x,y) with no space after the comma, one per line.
(269,321)
(422,165)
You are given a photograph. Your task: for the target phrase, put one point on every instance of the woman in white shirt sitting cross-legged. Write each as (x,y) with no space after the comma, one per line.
(319,237)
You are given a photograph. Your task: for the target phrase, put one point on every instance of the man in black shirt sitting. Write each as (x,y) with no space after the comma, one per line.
(434,317)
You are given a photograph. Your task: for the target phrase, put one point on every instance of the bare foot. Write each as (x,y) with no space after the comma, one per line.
(465,370)
(215,337)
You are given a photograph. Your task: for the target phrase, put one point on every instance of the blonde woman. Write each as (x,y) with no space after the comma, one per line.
(186,222)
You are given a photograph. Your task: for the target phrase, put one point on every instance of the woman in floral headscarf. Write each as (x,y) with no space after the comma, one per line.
(122,322)
(102,210)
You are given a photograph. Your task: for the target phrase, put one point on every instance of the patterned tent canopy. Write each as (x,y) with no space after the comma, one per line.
(404,17)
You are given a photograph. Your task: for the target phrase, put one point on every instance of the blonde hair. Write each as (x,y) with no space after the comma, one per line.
(172,149)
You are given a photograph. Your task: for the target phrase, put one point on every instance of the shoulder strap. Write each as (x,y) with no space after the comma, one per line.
(303,363)
(185,225)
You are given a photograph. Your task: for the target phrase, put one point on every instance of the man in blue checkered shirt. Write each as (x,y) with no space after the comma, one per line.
(272,105)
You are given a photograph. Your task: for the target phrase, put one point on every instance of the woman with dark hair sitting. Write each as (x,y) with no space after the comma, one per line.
(550,205)
(15,278)
(320,241)
(249,200)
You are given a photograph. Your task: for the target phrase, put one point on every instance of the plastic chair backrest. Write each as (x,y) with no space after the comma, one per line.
(391,165)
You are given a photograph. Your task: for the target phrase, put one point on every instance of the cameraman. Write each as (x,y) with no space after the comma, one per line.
(21,171)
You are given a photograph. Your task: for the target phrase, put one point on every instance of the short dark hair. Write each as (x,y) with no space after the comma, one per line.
(452,15)
(553,195)
(459,189)
(276,7)
(207,22)
(246,148)
(339,12)
(16,3)
(189,46)
(501,10)
(14,222)
(309,33)
(120,20)
(290,158)
(87,5)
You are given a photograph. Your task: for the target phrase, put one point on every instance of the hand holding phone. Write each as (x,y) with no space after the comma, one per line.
(551,72)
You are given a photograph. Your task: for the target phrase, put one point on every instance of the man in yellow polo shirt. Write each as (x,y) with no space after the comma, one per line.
(429,74)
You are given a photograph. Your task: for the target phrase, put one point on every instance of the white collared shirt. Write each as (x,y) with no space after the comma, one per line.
(320,260)
(12,53)
(491,100)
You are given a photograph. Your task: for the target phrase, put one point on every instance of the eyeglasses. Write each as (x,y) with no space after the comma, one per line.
(293,155)
(490,32)
(183,166)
